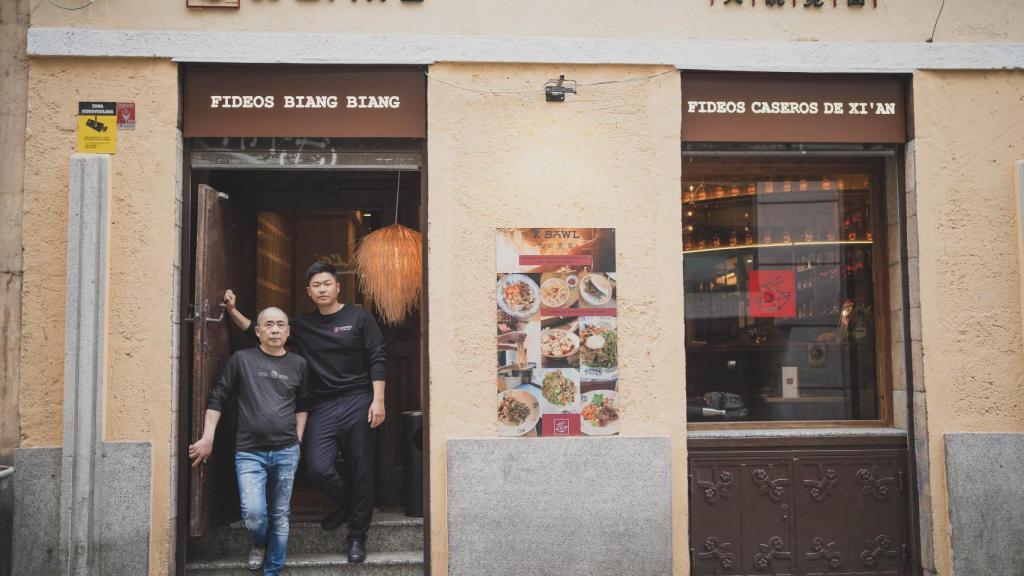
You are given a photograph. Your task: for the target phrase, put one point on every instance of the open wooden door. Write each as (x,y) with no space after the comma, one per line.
(213,497)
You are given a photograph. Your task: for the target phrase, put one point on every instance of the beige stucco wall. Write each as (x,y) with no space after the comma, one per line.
(13,102)
(607,157)
(970,130)
(891,21)
(139,403)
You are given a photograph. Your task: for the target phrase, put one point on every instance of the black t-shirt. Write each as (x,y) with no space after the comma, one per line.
(270,389)
(345,350)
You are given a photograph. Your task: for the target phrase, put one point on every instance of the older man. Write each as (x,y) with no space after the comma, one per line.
(271,386)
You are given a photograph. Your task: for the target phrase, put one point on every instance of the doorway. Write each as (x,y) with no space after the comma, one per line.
(255,231)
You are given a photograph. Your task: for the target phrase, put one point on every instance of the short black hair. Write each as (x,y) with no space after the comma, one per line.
(319,267)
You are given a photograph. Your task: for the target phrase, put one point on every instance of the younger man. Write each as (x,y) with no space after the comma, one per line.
(273,400)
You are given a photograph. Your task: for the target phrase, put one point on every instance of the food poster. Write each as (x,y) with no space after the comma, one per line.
(557,332)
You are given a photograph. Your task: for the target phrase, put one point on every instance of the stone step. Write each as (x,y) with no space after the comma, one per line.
(376,564)
(389,532)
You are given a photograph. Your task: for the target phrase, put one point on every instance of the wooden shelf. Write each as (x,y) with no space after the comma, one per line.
(816,244)
(783,197)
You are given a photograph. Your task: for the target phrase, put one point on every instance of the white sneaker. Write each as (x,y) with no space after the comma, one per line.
(256,556)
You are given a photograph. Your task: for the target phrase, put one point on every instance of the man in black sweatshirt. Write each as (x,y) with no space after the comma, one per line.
(348,369)
(273,398)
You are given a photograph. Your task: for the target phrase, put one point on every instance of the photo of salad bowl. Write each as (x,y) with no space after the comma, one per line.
(599,348)
(599,413)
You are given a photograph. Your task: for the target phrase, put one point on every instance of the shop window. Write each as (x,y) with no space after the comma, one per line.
(784,270)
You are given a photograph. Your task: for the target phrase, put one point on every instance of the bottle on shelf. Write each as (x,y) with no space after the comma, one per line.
(751,189)
(688,195)
(719,192)
(787,185)
(735,190)
(803,185)
(734,236)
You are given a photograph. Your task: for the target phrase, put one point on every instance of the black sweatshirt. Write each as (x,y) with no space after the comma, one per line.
(345,350)
(270,389)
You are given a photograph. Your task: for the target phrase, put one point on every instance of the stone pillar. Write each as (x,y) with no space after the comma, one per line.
(84,363)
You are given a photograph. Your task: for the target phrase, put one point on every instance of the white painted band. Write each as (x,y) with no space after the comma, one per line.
(321,48)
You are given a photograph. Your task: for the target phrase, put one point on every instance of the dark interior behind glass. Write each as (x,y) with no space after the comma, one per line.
(783,263)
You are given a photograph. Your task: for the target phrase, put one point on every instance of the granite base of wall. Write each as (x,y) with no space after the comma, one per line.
(986,502)
(566,506)
(124,518)
(36,531)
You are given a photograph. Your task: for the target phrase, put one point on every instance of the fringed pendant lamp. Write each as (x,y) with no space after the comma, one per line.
(390,266)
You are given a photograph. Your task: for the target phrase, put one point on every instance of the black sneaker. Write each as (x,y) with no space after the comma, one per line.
(356,551)
(334,520)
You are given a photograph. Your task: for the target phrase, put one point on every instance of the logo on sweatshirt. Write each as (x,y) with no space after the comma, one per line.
(273,375)
(340,329)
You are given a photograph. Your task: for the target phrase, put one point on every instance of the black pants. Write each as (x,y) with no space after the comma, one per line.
(342,423)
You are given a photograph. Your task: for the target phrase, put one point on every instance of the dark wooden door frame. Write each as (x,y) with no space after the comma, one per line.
(189,184)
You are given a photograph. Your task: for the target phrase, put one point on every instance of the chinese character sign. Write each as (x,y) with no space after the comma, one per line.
(557,332)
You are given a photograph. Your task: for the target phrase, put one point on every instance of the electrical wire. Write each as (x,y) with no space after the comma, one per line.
(936,24)
(534,91)
(62,7)
(398,194)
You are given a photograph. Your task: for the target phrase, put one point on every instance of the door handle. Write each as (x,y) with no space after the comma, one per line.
(223,311)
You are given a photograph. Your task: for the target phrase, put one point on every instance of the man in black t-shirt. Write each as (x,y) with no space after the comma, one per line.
(348,369)
(271,386)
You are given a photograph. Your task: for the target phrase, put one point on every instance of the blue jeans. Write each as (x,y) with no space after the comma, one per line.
(267,476)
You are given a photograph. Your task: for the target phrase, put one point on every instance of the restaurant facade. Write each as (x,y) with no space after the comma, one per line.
(746,274)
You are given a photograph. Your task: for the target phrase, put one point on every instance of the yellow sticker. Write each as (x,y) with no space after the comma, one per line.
(97,127)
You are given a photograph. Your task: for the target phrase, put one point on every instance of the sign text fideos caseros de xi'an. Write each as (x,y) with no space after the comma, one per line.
(806,108)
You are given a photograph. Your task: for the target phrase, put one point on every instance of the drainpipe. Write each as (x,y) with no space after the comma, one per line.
(908,370)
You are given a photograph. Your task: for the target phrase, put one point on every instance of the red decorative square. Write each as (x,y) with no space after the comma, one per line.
(560,425)
(772,294)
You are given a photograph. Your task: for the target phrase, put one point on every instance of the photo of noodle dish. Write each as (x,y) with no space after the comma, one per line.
(518,295)
(518,412)
(599,348)
(560,388)
(599,413)
(554,292)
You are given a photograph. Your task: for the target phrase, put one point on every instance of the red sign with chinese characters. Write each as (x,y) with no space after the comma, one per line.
(772,294)
(561,425)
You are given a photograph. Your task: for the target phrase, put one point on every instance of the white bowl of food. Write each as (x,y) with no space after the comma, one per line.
(518,296)
(596,289)
(599,413)
(558,343)
(560,388)
(554,293)
(518,412)
(599,348)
